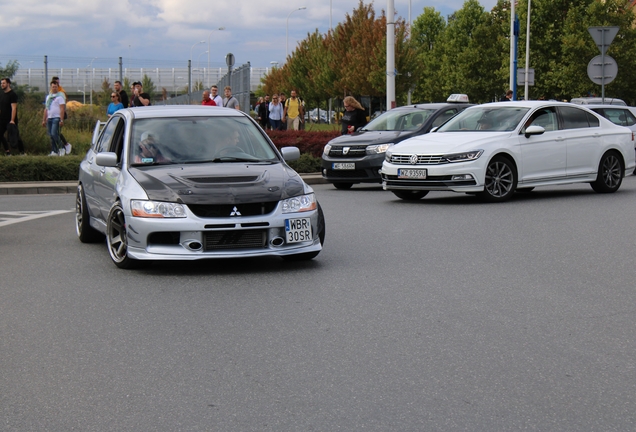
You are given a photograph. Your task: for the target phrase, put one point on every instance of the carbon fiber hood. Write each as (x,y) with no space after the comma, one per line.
(219,183)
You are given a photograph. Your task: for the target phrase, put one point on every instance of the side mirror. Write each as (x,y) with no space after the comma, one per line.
(290,153)
(534,130)
(106,159)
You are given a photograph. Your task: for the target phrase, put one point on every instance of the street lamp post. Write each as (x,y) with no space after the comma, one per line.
(210,50)
(287,30)
(199,63)
(525,92)
(190,84)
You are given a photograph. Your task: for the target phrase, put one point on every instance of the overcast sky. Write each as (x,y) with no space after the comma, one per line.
(71,31)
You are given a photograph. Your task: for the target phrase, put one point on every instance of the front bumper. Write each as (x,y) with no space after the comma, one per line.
(366,169)
(194,238)
(439,177)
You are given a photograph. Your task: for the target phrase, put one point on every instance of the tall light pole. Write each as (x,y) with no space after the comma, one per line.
(209,51)
(525,92)
(190,84)
(287,31)
(199,64)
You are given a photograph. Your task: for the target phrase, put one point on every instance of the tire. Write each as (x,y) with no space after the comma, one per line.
(343,186)
(85,232)
(321,235)
(501,180)
(117,239)
(408,195)
(610,173)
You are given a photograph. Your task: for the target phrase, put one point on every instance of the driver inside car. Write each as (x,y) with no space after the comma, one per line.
(148,151)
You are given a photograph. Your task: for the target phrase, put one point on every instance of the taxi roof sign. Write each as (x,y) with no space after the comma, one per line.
(458,97)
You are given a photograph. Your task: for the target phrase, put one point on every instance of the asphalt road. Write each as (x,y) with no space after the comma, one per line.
(444,314)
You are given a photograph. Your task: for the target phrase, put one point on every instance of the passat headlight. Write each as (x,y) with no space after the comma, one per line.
(326,150)
(463,157)
(157,209)
(300,203)
(379,148)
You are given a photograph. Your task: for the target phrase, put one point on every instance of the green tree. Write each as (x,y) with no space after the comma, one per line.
(10,69)
(103,97)
(149,86)
(427,38)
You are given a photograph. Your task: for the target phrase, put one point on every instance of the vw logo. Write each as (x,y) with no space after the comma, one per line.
(235,212)
(413,159)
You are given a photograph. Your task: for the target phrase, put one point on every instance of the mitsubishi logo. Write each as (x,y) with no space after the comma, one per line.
(235,212)
(345,150)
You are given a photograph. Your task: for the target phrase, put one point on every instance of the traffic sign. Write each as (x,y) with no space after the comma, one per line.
(521,76)
(601,73)
(603,36)
(229,60)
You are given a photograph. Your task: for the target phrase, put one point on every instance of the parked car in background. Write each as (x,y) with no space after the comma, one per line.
(357,158)
(619,115)
(189,183)
(496,149)
(597,101)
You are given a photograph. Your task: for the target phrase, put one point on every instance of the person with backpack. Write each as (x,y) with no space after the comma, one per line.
(293,111)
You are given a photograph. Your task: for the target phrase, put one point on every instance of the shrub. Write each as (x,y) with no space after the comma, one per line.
(312,142)
(306,164)
(39,168)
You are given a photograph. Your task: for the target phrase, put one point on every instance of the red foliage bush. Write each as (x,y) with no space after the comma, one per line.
(311,142)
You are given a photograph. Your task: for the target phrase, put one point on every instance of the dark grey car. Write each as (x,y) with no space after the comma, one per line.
(192,182)
(356,158)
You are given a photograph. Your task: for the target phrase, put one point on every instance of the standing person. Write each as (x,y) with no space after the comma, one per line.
(139,97)
(205,99)
(9,118)
(354,116)
(67,145)
(214,95)
(54,117)
(123,96)
(275,113)
(230,101)
(293,112)
(263,113)
(115,104)
(283,124)
(507,97)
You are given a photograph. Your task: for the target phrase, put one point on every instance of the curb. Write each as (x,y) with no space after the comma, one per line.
(47,188)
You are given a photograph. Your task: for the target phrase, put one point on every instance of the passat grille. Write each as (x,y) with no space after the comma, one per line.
(405,159)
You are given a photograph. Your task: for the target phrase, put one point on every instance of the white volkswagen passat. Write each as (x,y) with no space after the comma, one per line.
(495,149)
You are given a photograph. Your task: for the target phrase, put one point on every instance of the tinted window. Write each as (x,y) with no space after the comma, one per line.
(485,118)
(574,118)
(621,117)
(546,118)
(444,116)
(400,120)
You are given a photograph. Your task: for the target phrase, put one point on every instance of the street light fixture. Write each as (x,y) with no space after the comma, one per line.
(287,30)
(190,84)
(209,50)
(91,67)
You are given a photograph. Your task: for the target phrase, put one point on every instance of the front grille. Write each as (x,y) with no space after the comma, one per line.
(354,151)
(235,239)
(405,159)
(227,210)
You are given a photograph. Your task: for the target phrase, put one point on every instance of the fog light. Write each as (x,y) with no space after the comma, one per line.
(462,177)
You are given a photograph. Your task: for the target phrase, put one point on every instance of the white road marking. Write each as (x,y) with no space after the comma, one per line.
(9,218)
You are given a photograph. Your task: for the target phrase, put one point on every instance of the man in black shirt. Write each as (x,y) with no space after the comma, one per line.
(9,118)
(123,96)
(139,97)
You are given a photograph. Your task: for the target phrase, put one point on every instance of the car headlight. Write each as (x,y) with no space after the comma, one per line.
(157,209)
(300,203)
(326,150)
(379,148)
(463,157)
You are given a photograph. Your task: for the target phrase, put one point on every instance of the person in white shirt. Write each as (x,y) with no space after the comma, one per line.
(214,95)
(54,117)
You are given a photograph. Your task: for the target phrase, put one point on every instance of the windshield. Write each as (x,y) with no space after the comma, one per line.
(485,118)
(400,120)
(198,139)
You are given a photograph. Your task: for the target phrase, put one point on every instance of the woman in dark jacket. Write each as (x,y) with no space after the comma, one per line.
(354,116)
